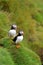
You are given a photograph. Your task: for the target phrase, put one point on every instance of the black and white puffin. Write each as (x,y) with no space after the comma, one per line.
(18,39)
(12,31)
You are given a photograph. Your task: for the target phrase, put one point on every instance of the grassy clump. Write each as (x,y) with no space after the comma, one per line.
(5,58)
(24,56)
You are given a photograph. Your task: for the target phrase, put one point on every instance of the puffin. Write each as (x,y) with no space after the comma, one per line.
(12,31)
(17,39)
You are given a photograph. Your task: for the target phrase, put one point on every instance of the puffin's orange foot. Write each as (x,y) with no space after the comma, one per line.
(17,46)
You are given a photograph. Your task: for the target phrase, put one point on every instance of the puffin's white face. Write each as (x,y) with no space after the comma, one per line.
(21,32)
(14,26)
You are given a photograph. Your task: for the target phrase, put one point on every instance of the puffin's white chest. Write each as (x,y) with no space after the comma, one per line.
(12,33)
(19,39)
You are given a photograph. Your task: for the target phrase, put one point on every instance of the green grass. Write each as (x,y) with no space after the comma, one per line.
(28,15)
(4,24)
(5,58)
(23,55)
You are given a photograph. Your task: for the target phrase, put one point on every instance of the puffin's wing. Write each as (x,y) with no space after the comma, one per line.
(19,39)
(15,38)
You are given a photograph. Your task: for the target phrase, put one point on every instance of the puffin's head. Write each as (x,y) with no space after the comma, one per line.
(21,33)
(14,27)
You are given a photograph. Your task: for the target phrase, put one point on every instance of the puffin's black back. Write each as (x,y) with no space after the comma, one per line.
(12,28)
(16,37)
